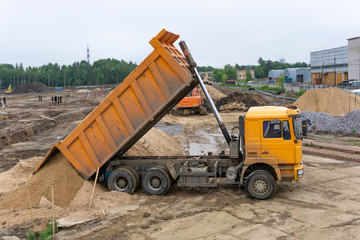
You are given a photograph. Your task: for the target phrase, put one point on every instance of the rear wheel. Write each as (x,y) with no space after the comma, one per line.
(260,184)
(156,181)
(123,180)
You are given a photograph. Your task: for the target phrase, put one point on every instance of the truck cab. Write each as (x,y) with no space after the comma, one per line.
(272,148)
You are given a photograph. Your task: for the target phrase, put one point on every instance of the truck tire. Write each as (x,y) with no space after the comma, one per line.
(123,180)
(136,174)
(260,184)
(156,181)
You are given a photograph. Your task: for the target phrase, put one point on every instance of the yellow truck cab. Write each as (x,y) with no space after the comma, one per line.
(272,145)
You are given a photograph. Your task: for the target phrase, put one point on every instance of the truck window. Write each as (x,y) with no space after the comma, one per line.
(272,129)
(286,130)
(297,127)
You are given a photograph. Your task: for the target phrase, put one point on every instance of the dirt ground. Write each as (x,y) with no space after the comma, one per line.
(324,205)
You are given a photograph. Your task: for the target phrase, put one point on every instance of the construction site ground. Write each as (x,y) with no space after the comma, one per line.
(325,204)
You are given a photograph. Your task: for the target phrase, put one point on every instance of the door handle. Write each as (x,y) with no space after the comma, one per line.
(265,152)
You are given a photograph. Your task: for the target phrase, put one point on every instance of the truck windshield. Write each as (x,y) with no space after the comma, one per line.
(297,127)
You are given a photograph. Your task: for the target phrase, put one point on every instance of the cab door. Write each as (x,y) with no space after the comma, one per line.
(277,140)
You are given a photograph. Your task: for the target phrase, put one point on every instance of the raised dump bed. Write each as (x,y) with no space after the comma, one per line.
(130,110)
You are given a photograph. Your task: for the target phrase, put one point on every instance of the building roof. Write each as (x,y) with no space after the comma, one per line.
(275,73)
(290,71)
(354,38)
(343,48)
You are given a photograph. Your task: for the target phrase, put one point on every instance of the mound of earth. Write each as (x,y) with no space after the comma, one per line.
(69,186)
(57,172)
(333,101)
(243,101)
(215,94)
(36,87)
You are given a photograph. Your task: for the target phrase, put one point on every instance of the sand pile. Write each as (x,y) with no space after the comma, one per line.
(102,197)
(333,101)
(69,187)
(215,94)
(19,174)
(58,172)
(242,99)
(32,87)
(156,142)
(83,91)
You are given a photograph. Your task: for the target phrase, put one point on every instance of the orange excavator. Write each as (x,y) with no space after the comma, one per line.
(191,104)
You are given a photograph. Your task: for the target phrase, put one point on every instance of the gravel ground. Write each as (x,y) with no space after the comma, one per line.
(172,129)
(323,122)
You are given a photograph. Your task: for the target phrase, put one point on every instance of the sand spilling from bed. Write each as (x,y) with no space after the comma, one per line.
(59,172)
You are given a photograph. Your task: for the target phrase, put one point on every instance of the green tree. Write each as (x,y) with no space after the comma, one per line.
(248,76)
(259,72)
(219,75)
(281,80)
(205,69)
(230,71)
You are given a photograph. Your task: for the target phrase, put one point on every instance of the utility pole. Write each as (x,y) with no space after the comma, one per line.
(89,66)
(322,74)
(335,70)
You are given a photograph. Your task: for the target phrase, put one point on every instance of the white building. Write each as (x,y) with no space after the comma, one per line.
(354,58)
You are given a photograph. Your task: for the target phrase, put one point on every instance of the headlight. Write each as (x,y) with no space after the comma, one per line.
(300,173)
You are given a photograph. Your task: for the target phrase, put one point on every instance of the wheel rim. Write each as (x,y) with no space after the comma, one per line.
(121,183)
(260,186)
(155,183)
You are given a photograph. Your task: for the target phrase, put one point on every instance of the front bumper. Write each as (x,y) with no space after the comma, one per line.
(299,171)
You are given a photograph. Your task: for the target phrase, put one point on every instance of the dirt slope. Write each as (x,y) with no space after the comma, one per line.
(333,101)
(57,172)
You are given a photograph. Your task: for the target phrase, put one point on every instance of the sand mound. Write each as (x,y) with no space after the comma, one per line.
(20,173)
(156,142)
(83,91)
(102,197)
(232,106)
(214,93)
(248,99)
(58,172)
(32,87)
(69,186)
(333,101)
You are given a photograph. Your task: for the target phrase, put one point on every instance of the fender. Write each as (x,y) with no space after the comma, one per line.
(266,161)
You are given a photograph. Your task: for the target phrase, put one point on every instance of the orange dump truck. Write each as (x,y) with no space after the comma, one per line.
(266,147)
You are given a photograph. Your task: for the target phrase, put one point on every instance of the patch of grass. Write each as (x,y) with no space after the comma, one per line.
(300,93)
(357,144)
(44,235)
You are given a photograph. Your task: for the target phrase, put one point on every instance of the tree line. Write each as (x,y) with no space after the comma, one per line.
(103,71)
(261,70)
(112,71)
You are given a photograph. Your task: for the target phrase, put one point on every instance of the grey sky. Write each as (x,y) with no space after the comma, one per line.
(216,32)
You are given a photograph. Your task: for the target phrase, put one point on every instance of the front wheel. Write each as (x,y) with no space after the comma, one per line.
(260,184)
